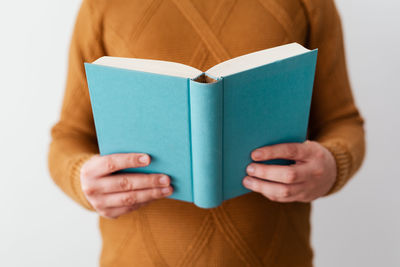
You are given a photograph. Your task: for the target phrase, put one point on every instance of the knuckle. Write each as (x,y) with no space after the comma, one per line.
(129,200)
(110,165)
(124,184)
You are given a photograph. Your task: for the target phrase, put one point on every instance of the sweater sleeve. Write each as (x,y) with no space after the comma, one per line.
(73,136)
(335,121)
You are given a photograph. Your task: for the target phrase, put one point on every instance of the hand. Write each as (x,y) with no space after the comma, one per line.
(113,195)
(309,178)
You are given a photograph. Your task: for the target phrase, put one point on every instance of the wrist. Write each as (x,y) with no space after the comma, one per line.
(76,166)
(343,163)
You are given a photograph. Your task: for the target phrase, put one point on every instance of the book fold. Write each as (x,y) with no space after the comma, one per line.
(206,126)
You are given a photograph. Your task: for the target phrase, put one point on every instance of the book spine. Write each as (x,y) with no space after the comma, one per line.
(206,108)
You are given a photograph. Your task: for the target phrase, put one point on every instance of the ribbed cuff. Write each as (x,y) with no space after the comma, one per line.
(343,163)
(75,178)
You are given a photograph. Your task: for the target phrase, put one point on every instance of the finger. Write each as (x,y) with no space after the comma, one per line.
(274,191)
(293,151)
(131,198)
(113,213)
(130,181)
(104,165)
(283,174)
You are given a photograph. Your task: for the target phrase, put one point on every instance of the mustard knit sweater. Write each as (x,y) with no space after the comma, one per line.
(246,231)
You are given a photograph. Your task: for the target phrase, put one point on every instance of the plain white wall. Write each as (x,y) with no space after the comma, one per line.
(360,226)
(40,226)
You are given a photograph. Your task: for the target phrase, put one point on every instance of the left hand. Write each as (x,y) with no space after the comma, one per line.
(309,178)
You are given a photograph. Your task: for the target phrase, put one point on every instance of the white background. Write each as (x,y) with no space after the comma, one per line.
(40,226)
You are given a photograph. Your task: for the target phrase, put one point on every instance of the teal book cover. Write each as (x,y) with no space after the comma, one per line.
(200,127)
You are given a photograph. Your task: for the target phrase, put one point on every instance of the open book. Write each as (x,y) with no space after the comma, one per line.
(200,127)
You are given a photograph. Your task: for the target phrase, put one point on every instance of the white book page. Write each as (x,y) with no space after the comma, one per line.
(150,65)
(256,59)
(223,69)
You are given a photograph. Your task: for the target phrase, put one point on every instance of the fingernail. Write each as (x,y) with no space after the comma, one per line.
(250,169)
(257,154)
(163,180)
(143,158)
(165,191)
(247,182)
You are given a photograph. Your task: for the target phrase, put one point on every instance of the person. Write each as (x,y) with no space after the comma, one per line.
(270,226)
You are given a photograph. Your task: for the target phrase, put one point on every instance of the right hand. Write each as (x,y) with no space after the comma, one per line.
(113,195)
